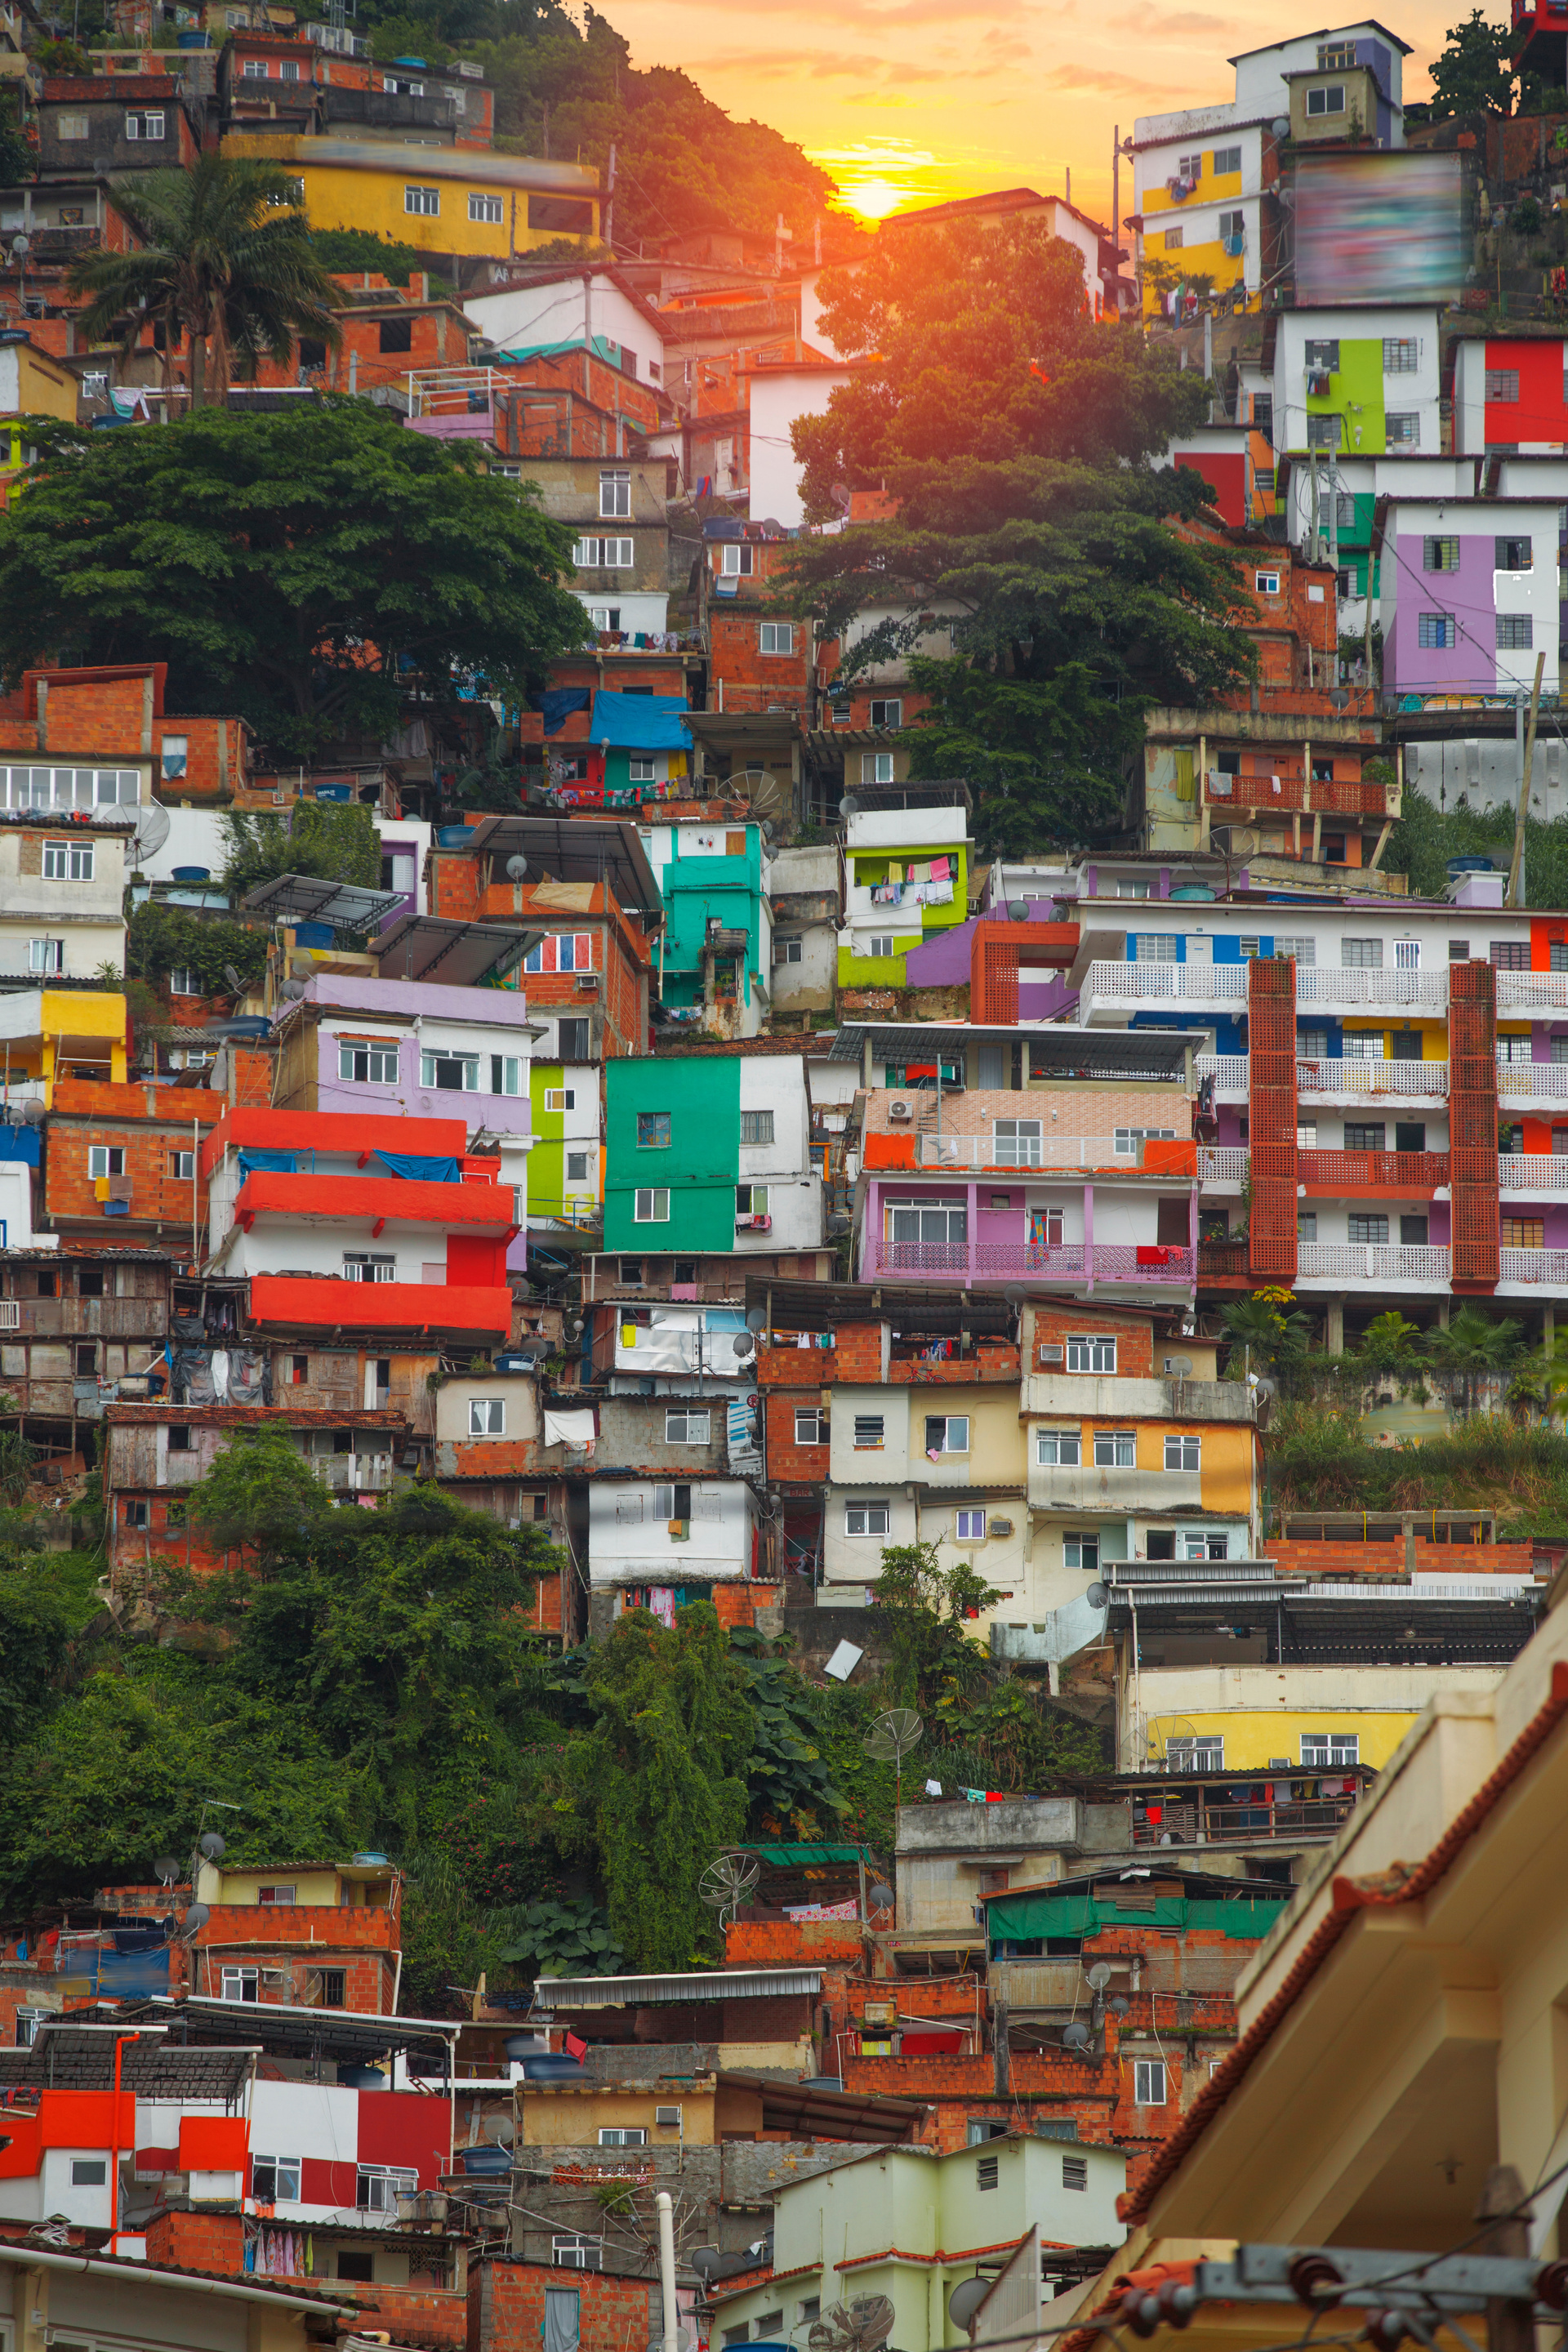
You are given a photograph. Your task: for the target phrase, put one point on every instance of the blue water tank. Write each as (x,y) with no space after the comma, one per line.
(313,935)
(1458,866)
(485,2163)
(192,872)
(452,837)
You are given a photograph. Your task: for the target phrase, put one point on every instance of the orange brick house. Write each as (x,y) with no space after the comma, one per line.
(122,1163)
(116,714)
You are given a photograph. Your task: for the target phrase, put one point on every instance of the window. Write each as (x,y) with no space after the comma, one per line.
(562,951)
(105,1160)
(1322,356)
(1525,1233)
(146,123)
(486,1416)
(1126,1139)
(756,1127)
(86,1359)
(578,2253)
(46,955)
(1115,1449)
(577,1168)
(870,1430)
(935,1225)
(1401,355)
(89,1282)
(1093,1351)
(1324,432)
(770,2324)
(641,768)
(1515,632)
(180,1438)
(887,714)
(631,1272)
(90,2171)
(1058,1449)
(183,982)
(1182,1453)
(136,1513)
(1368,1226)
(650,1205)
(615,493)
(1081,1551)
(1017,1143)
(867,1518)
(72,126)
(1227,159)
(751,1200)
(240,1984)
(684,1427)
(1327,1750)
(1336,55)
(1509,955)
(508,1075)
(1075,2172)
(987,2171)
(1233,225)
(422,200)
(623,2137)
(1173,241)
(276,1894)
(67,861)
(1437,631)
(1439,554)
(299,1371)
(27,2024)
(735,561)
(1364,1135)
(275,2179)
(1361,955)
(811,1427)
(876,767)
(788,950)
(1149,2081)
(1502,384)
(1403,431)
(1329,98)
(971,1527)
(1301,950)
(776,636)
(449,1073)
(379,2186)
(1266,583)
(363,1063)
(368,1266)
(946,1433)
(604,554)
(489,209)
(572,1040)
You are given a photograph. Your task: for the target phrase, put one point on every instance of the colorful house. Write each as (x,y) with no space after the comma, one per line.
(709,1152)
(907,878)
(717,947)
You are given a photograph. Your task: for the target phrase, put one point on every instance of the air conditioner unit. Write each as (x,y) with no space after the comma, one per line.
(899,1114)
(668,2118)
(1049,1355)
(587,983)
(999,1527)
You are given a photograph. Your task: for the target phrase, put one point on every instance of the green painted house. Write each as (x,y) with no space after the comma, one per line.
(709,1153)
(718,938)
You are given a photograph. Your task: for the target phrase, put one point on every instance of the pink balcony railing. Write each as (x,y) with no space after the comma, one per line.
(1071,1262)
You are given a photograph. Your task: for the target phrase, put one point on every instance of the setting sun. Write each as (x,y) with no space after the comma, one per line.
(875,200)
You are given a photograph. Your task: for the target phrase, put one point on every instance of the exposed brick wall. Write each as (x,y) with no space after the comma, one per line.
(148,1123)
(1307,1559)
(197,2241)
(791,1943)
(737,1605)
(410,2315)
(799,1464)
(1134,1340)
(506,2308)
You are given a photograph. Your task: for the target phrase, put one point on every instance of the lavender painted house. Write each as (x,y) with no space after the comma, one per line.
(387,1047)
(1470,600)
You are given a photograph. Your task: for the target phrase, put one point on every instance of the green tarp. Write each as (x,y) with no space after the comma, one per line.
(791,1857)
(1022,1916)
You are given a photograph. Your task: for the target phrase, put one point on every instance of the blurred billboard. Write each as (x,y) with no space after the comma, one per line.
(1379,228)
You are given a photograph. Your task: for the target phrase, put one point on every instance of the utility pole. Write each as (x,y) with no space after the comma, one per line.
(1116,207)
(1526,761)
(610,200)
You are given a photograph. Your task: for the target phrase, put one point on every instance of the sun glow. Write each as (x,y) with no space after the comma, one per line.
(877,199)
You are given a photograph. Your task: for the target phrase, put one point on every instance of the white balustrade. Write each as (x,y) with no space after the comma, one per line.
(1373,1262)
(1532,1172)
(1534,1265)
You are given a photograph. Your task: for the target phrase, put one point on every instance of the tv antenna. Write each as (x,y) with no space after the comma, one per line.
(859,2326)
(889,1740)
(726,1883)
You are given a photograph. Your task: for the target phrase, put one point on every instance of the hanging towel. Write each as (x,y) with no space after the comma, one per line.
(933,1788)
(574,1428)
(941,869)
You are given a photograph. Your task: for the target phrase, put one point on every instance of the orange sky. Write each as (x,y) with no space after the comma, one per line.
(921,99)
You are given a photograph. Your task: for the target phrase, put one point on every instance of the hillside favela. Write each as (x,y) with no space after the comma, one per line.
(784,1178)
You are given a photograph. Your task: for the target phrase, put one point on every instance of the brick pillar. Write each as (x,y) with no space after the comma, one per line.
(1472,1127)
(1271,1101)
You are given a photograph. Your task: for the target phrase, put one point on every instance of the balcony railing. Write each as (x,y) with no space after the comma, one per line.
(1070,1262)
(1210,983)
(1182,1824)
(1222,1164)
(1289,792)
(1532,1172)
(1359,986)
(1527,991)
(1533,1081)
(1549,1266)
(1389,1081)
(1421,1269)
(1097,1151)
(1228,1071)
(1222,1261)
(1388,1171)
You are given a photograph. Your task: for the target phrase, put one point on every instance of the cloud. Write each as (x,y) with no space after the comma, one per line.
(880,73)
(1191,24)
(1097,78)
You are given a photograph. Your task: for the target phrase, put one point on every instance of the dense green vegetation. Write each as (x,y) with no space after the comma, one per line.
(1427,837)
(353,1678)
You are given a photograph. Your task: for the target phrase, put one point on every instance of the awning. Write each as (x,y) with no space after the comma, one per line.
(66,2060)
(306,898)
(823,1305)
(791,1857)
(455,954)
(287,2030)
(576,849)
(647,1992)
(807,2111)
(1054,1051)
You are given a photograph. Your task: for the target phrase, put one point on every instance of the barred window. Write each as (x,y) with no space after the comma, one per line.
(1401,355)
(1436,630)
(1515,632)
(1502,384)
(1439,554)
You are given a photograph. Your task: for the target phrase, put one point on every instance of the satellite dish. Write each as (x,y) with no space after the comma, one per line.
(756,1319)
(1098,1976)
(839,494)
(293,989)
(1075,2036)
(517,867)
(1015,1293)
(880,1895)
(499,2130)
(234,979)
(167,1870)
(856,2327)
(967,2299)
(1119,2004)
(765,795)
(1180,1365)
(726,1883)
(196,1919)
(705,2262)
(849,805)
(1018,911)
(744,1344)
(211,1843)
(151,832)
(682,2341)
(893,1734)
(1098,1596)
(31,1111)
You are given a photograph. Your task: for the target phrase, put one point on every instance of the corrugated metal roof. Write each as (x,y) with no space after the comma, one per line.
(708,1984)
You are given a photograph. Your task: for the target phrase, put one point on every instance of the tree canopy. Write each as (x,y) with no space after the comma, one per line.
(301,568)
(1472,74)
(1021,445)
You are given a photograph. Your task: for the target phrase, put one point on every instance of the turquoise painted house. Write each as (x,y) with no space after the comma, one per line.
(717,940)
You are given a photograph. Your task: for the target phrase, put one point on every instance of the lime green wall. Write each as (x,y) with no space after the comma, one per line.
(1355,392)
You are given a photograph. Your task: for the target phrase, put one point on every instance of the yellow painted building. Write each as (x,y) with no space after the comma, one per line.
(1261,1713)
(695,2112)
(463,201)
(55,1030)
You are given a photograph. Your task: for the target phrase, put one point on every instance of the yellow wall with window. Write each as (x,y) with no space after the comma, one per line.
(365,184)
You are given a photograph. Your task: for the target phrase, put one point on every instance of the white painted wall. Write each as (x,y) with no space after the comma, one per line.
(777,1083)
(778,395)
(626,1544)
(562,311)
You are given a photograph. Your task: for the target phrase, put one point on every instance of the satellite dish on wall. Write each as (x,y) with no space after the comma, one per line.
(151,832)
(234,979)
(849,805)
(1075,2036)
(517,867)
(1098,1596)
(967,2299)
(1098,1976)
(212,1845)
(167,1870)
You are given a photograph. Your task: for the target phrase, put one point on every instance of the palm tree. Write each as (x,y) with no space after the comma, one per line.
(1471,1347)
(223,252)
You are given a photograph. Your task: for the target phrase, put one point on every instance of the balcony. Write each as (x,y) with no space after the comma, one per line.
(1405,1268)
(1074,1265)
(1229,1071)
(1200,1823)
(1357,1081)
(1223,1262)
(1532,991)
(1335,1172)
(1031,1153)
(327,1302)
(1223,1167)
(1359,987)
(1533,1269)
(1107,987)
(1532,1172)
(1289,793)
(1522,1082)
(481,1212)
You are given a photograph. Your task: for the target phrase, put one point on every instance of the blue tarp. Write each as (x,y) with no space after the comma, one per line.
(269,1163)
(20,1143)
(421,1171)
(560,703)
(639,722)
